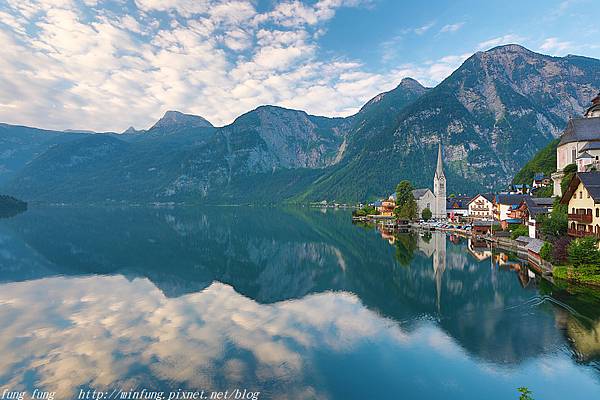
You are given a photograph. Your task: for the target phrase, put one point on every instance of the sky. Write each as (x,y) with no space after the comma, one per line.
(105,65)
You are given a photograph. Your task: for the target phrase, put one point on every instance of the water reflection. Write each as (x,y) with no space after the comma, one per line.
(293,303)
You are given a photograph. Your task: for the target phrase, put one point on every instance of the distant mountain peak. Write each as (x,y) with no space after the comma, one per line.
(130,130)
(173,119)
(411,83)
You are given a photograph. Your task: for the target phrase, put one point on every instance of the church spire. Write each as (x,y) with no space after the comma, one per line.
(439,171)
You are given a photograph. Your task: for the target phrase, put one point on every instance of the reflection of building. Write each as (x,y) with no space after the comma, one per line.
(479,249)
(439,263)
(435,248)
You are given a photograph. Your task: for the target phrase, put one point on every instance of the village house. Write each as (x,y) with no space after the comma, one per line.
(457,207)
(504,204)
(578,143)
(540,180)
(583,199)
(529,209)
(481,207)
(386,207)
(424,198)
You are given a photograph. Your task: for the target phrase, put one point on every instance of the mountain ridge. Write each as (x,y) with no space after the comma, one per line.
(491,115)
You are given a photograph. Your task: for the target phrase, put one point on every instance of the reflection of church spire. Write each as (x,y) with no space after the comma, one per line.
(439,265)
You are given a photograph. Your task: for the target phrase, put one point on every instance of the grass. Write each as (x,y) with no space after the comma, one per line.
(587,275)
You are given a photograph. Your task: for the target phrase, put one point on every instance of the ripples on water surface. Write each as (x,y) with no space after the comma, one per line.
(296,304)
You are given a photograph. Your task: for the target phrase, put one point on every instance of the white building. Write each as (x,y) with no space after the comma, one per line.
(436,200)
(425,199)
(579,143)
(481,207)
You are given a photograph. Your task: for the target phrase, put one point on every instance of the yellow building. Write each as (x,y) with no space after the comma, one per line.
(583,199)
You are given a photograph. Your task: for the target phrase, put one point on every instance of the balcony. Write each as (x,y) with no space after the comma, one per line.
(583,218)
(581,233)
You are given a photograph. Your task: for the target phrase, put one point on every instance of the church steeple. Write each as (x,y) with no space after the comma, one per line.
(439,171)
(439,187)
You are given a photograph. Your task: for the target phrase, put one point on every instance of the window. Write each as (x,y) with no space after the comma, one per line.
(597,212)
(580,194)
(573,155)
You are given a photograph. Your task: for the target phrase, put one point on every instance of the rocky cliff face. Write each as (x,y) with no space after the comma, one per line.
(491,115)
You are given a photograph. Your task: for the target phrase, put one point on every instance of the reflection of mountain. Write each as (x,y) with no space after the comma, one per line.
(271,255)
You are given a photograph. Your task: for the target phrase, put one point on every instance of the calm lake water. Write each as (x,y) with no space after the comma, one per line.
(296,304)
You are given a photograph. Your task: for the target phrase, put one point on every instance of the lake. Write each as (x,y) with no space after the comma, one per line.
(293,303)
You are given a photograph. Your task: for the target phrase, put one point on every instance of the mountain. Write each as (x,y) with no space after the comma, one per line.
(491,115)
(19,145)
(543,161)
(264,155)
(174,121)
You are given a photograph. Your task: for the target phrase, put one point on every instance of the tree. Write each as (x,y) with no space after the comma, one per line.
(546,251)
(406,206)
(559,251)
(404,193)
(556,223)
(584,252)
(519,230)
(525,393)
(569,171)
(426,214)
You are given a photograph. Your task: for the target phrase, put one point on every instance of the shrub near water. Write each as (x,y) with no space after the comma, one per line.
(518,230)
(583,252)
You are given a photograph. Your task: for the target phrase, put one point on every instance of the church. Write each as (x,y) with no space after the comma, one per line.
(436,200)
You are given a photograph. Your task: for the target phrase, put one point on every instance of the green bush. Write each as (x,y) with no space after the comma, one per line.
(584,252)
(518,230)
(426,214)
(525,393)
(546,251)
(570,170)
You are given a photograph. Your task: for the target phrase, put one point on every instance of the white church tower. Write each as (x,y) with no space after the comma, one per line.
(439,188)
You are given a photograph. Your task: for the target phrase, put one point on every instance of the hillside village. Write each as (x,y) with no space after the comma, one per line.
(554,220)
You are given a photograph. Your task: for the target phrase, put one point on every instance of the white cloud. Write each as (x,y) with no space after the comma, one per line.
(555,46)
(90,69)
(182,340)
(501,40)
(452,27)
(423,29)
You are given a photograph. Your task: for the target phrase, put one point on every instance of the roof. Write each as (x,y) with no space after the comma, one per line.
(488,196)
(538,205)
(590,146)
(585,154)
(524,239)
(535,245)
(581,129)
(591,181)
(595,106)
(513,221)
(483,223)
(439,170)
(509,199)
(540,175)
(418,193)
(457,203)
